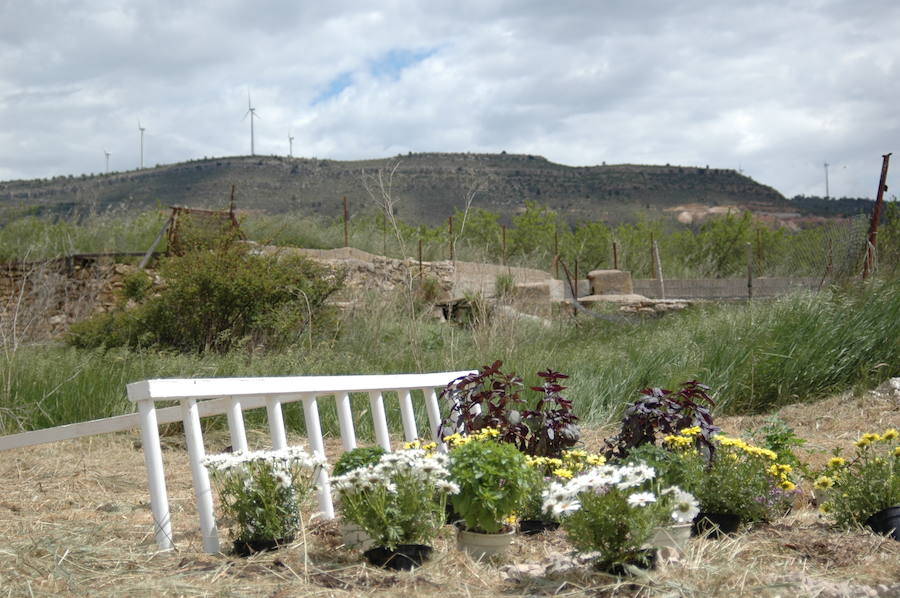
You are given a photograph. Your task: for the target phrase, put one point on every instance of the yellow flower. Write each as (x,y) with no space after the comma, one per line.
(824,482)
(836,462)
(692,431)
(564,473)
(890,434)
(787,485)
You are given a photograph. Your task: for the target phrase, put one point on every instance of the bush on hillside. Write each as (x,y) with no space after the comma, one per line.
(221,300)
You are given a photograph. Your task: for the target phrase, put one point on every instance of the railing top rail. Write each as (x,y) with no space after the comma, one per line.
(173,389)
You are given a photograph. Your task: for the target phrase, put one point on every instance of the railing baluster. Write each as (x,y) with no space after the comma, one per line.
(236,426)
(379,421)
(317,445)
(276,423)
(406,413)
(156,477)
(202,490)
(345,420)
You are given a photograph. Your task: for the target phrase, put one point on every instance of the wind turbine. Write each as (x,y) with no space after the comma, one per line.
(252,112)
(141,129)
(108,154)
(290,145)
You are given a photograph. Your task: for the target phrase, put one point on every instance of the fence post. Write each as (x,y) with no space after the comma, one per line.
(659,274)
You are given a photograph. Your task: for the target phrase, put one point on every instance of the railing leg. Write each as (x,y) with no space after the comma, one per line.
(345,420)
(379,421)
(156,478)
(276,423)
(202,489)
(236,426)
(434,417)
(409,418)
(317,445)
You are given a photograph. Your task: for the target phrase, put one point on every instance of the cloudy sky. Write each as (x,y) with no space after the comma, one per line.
(775,88)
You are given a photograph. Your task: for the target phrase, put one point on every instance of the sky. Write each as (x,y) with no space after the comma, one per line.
(773,88)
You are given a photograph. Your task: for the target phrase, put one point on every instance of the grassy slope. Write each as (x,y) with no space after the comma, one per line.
(755,357)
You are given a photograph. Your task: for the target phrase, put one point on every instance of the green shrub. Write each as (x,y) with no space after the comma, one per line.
(222,300)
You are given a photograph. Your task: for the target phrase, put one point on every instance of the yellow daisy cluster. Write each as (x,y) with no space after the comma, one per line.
(428,447)
(457,439)
(571,463)
(678,442)
(746,448)
(869,438)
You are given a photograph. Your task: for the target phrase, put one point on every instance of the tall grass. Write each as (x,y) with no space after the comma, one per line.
(756,357)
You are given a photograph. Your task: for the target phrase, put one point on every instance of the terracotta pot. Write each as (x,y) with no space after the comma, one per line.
(886,522)
(250,547)
(480,546)
(715,525)
(404,557)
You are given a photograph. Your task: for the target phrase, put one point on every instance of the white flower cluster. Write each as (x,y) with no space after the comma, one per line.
(411,465)
(292,456)
(561,499)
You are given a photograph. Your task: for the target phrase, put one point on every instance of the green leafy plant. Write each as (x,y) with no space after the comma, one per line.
(659,412)
(494,480)
(490,398)
(866,483)
(356,458)
(613,510)
(741,479)
(401,499)
(262,492)
(221,300)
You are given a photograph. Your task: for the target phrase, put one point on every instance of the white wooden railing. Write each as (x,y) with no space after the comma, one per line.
(204,397)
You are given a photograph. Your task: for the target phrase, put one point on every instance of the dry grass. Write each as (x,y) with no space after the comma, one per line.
(75,521)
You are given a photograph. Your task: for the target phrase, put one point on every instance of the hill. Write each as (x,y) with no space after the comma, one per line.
(427,187)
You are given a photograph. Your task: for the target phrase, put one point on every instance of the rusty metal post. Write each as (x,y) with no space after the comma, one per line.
(450,233)
(749,271)
(876,212)
(556,250)
(346,223)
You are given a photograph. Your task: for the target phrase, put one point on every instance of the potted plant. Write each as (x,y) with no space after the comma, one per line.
(532,518)
(742,483)
(866,487)
(494,480)
(614,510)
(262,492)
(353,535)
(399,502)
(490,398)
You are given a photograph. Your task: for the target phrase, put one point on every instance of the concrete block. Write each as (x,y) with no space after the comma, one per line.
(610,282)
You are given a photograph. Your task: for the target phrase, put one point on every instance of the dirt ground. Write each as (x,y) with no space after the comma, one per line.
(75,521)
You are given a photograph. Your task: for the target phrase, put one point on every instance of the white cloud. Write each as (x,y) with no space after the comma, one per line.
(771,87)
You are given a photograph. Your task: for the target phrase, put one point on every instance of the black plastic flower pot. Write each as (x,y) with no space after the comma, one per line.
(403,558)
(251,547)
(715,525)
(886,522)
(643,559)
(532,527)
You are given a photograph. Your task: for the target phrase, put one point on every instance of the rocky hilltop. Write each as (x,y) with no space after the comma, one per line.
(426,187)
